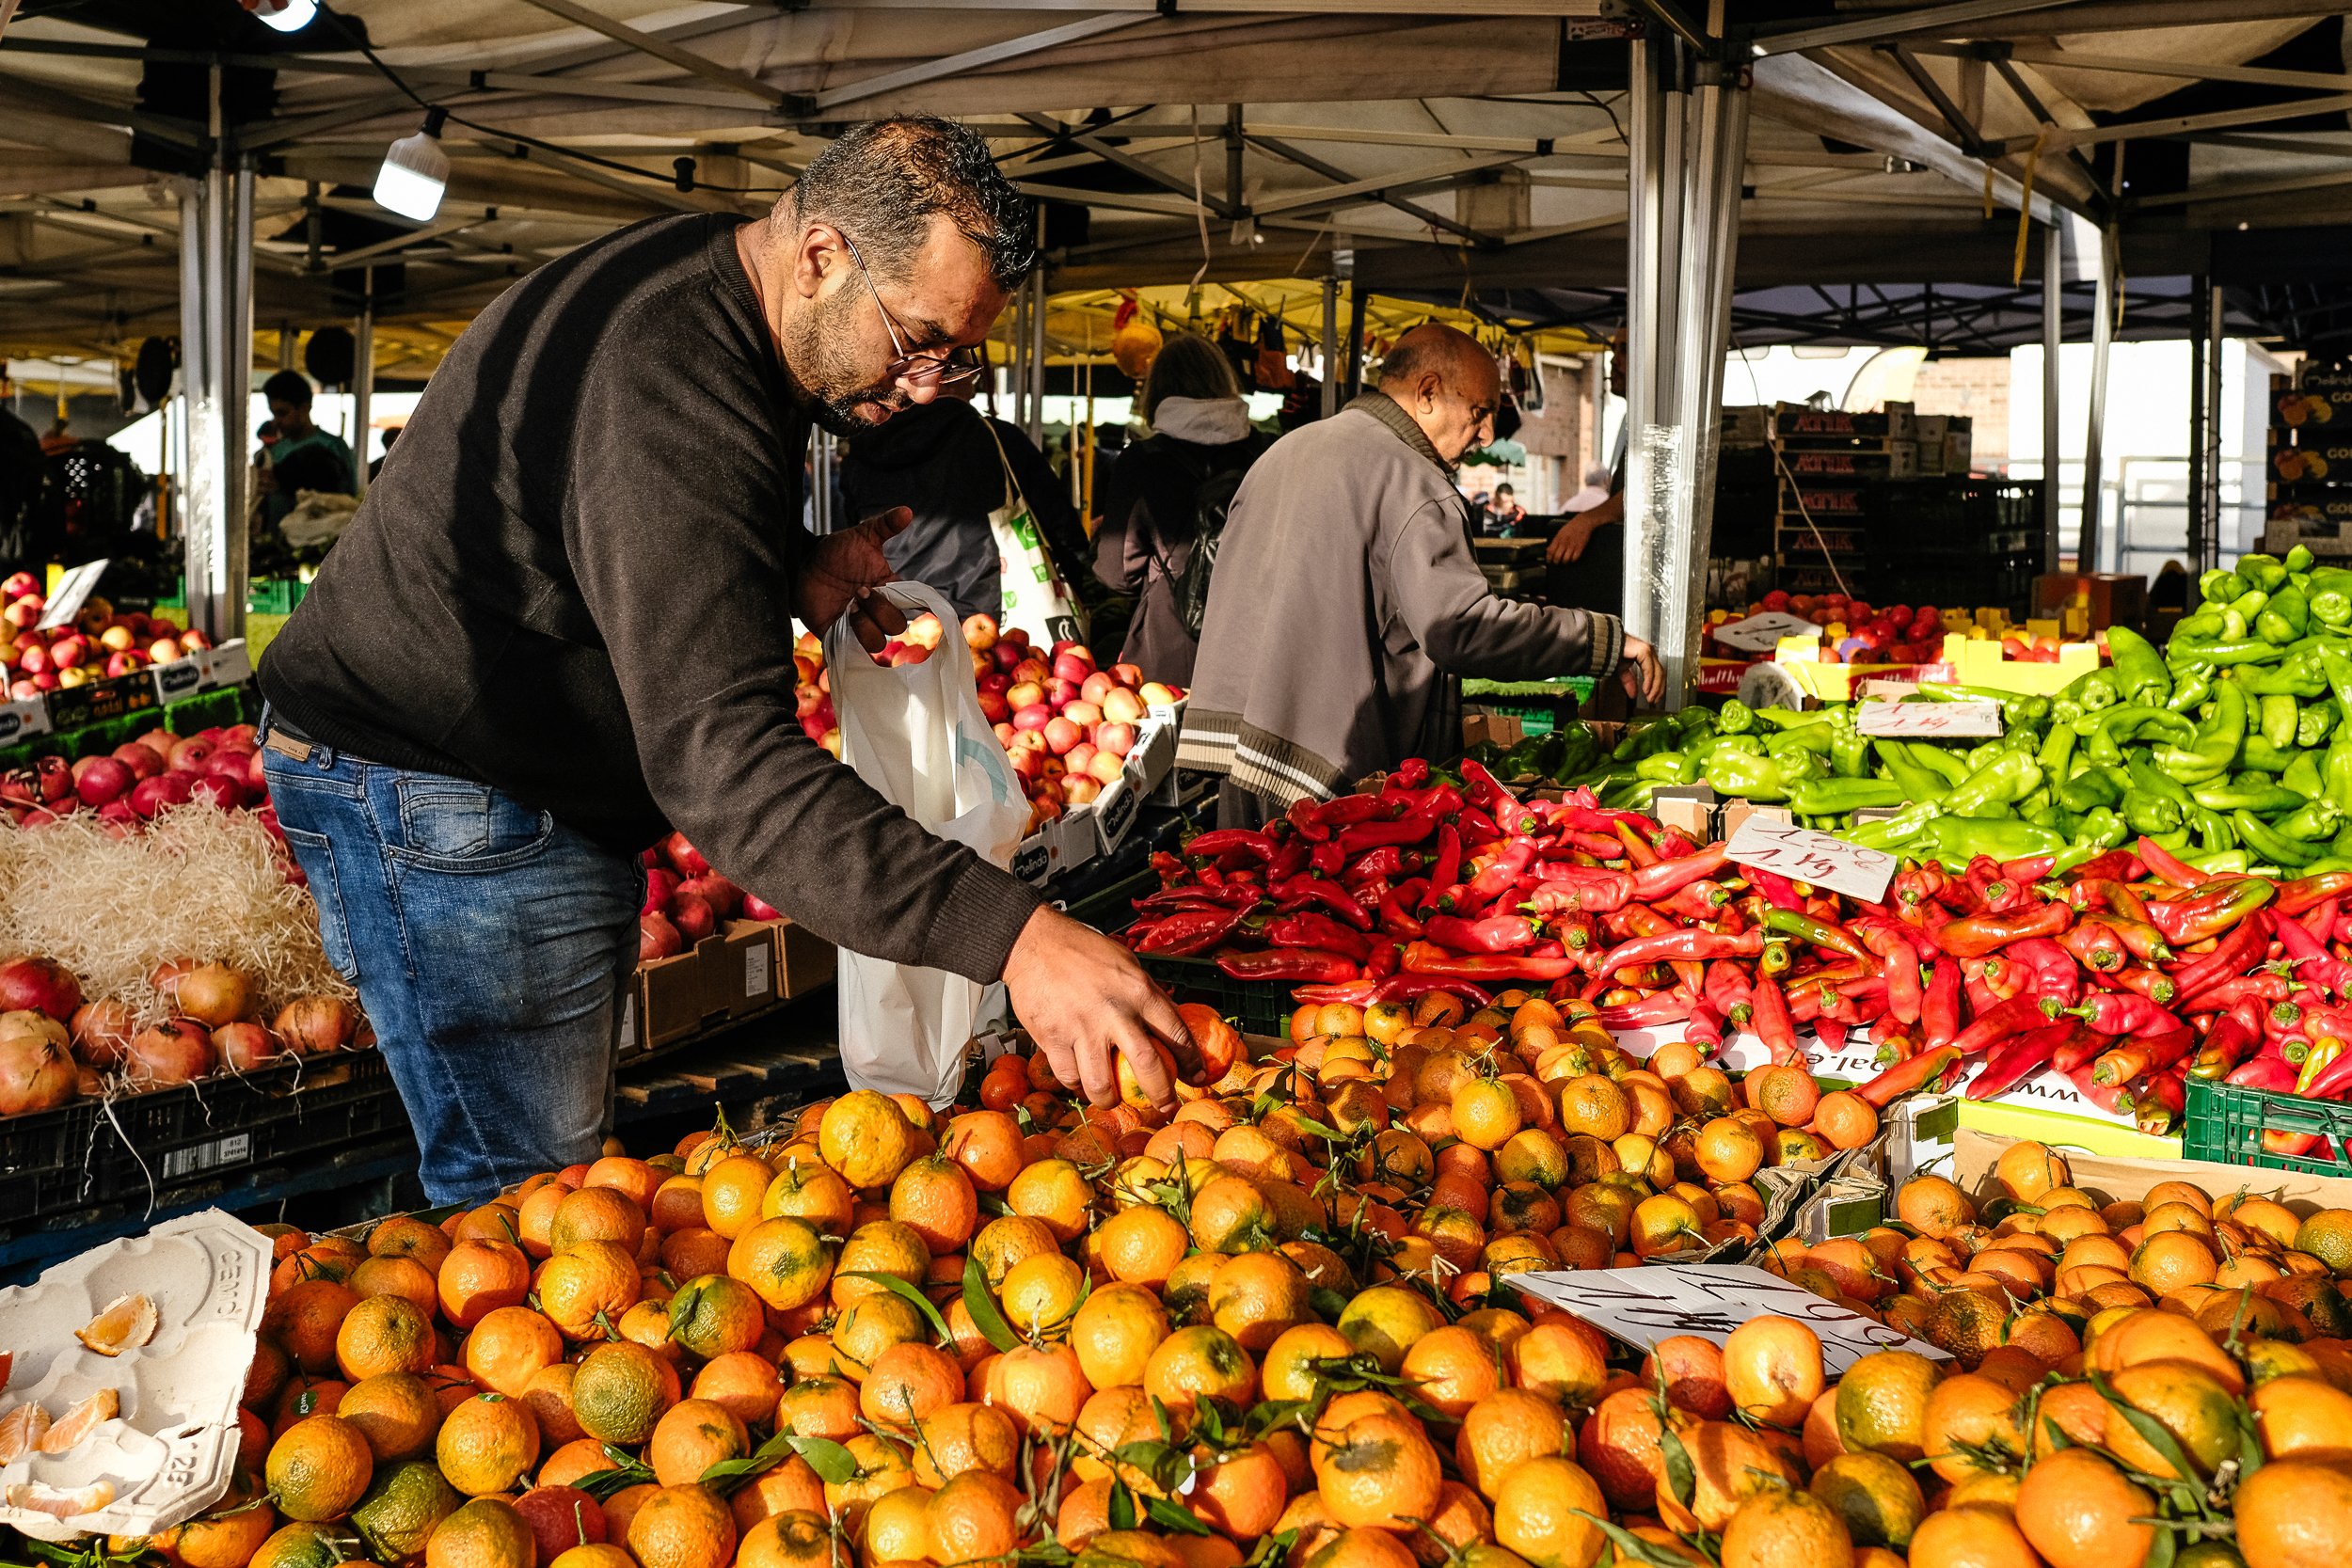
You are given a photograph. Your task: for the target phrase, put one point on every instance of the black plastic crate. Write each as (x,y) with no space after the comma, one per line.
(146,1146)
(42,1156)
(1255,1006)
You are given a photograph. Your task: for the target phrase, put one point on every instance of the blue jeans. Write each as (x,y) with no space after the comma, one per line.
(491,947)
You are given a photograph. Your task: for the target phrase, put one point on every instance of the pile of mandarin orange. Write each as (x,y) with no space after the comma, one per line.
(1275,1328)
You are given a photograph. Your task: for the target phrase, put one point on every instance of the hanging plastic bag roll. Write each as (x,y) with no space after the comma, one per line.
(915,733)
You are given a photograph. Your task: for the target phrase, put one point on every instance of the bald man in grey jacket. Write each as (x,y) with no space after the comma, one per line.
(1347,604)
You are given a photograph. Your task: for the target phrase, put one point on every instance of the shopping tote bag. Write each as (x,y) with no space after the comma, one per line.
(1035,597)
(915,733)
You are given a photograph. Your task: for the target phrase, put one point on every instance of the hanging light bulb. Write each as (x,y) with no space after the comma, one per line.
(288,16)
(415,171)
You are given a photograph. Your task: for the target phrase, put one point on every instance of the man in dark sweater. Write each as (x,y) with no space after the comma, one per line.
(560,627)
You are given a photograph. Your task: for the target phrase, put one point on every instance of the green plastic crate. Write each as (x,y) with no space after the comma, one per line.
(274,595)
(1255,1006)
(2226,1124)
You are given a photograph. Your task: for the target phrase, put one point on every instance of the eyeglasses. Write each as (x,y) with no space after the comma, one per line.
(954,369)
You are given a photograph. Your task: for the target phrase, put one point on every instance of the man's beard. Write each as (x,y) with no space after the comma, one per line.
(826,386)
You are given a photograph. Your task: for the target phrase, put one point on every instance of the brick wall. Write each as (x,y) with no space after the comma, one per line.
(1979,389)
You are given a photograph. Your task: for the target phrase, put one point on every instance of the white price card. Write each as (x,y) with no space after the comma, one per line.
(1658,1301)
(1761,634)
(74,591)
(1803,855)
(1973,717)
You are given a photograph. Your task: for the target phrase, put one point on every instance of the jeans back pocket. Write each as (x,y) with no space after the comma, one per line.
(316,856)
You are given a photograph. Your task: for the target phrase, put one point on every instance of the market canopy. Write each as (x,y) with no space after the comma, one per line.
(1229,139)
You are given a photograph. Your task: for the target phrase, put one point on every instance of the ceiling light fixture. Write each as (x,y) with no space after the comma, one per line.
(416,171)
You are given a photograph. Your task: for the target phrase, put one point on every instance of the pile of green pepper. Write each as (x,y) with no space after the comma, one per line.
(2230,747)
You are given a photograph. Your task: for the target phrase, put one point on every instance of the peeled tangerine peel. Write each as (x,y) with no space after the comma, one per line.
(68,1434)
(126,1323)
(22,1431)
(59,1501)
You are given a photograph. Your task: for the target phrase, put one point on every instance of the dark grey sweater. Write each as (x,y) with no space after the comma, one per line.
(573,583)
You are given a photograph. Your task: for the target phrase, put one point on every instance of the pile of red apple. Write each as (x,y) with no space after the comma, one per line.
(98,645)
(1855,632)
(685,900)
(138,779)
(1067,725)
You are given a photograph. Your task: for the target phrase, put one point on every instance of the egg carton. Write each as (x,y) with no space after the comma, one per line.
(172,1450)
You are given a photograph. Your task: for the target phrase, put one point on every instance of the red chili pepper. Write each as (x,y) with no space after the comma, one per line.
(1990,892)
(2212,909)
(2094,946)
(2333,1079)
(1727,992)
(1926,1070)
(1223,896)
(2264,985)
(1386,955)
(2157,1102)
(1447,871)
(1186,932)
(2308,892)
(2094,893)
(1872,928)
(2122,1012)
(1704,1027)
(1386,863)
(2080,1048)
(1288,963)
(2230,1040)
(1396,905)
(2140,980)
(2236,951)
(1483,789)
(1501,933)
(2140,939)
(1653,882)
(1973,936)
(1402,987)
(2165,866)
(1778,891)
(2314,964)
(1665,1006)
(2273,1073)
(1637,848)
(2019,1057)
(1425,957)
(2106,1096)
(2120,865)
(1409,829)
(1167,867)
(2142,1053)
(1680,944)
(1313,928)
(2050,970)
(1694,901)
(1477,827)
(1317,820)
(1302,893)
(1324,860)
(1939,1009)
(2031,869)
(1473,896)
(1219,842)
(1412,774)
(1569,888)
(1999,1021)
(1772,1022)
(1898,966)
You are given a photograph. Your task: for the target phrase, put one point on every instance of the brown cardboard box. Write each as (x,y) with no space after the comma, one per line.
(669,1000)
(738,969)
(2128,1181)
(2116,599)
(805,961)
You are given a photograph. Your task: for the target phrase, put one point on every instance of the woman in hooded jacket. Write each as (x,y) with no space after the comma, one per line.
(1200,432)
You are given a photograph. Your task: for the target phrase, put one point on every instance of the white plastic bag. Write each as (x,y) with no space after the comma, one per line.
(1034,596)
(916,733)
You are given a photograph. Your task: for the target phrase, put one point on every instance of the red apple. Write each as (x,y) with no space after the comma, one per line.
(19,584)
(117,637)
(1156,696)
(979,632)
(21,613)
(1008,653)
(1023,694)
(1061,692)
(163,650)
(1106,767)
(33,659)
(1096,685)
(67,652)
(994,708)
(1081,756)
(193,638)
(24,691)
(1004,735)
(1073,666)
(1122,706)
(925,631)
(1081,790)
(1029,763)
(1084,714)
(1035,715)
(1061,734)
(1115,737)
(128,662)
(1127,674)
(997,681)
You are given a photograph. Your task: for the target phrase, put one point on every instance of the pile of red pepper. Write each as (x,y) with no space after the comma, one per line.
(2128,974)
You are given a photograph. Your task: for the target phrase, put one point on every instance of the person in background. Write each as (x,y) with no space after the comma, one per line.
(1347,601)
(1596,482)
(392,434)
(1201,443)
(1504,512)
(941,461)
(305,457)
(1575,536)
(269,435)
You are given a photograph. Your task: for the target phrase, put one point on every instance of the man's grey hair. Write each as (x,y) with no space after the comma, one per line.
(882,181)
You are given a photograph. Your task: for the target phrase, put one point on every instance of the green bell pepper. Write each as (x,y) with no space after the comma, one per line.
(2140,673)
(2313,723)
(2285,618)
(2191,687)
(2302,775)
(1668,768)
(1994,788)
(1737,718)
(2276,717)
(2217,741)
(2090,789)
(2098,831)
(1751,776)
(2297,675)
(2253,792)
(2220,585)
(2105,730)
(2261,754)
(2329,595)
(1906,825)
(1848,749)
(2093,690)
(2265,572)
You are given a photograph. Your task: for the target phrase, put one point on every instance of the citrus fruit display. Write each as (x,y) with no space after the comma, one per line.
(1277,1326)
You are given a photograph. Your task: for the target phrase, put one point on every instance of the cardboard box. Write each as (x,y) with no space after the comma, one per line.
(2281,535)
(805,961)
(2116,599)
(669,999)
(1797,421)
(72,706)
(1960,448)
(739,969)
(2127,1180)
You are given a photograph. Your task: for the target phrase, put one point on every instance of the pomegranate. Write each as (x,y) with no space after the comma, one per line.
(757,908)
(141,760)
(724,898)
(36,1071)
(659,886)
(177,1051)
(244,1046)
(227,794)
(120,820)
(150,798)
(38,985)
(254,775)
(656,937)
(103,1031)
(160,741)
(309,1026)
(100,780)
(191,754)
(228,762)
(683,856)
(213,994)
(692,914)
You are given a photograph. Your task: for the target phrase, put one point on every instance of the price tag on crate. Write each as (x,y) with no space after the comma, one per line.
(1659,1301)
(1803,855)
(1972,717)
(1761,634)
(74,591)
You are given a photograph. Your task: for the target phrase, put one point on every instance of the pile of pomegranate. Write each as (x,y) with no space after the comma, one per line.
(1067,724)
(100,644)
(56,1047)
(139,779)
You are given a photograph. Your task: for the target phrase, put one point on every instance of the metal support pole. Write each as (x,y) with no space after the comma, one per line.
(1330,347)
(1356,300)
(2101,339)
(2211,330)
(2053,335)
(363,380)
(1687,159)
(1036,427)
(2200,413)
(820,452)
(216,359)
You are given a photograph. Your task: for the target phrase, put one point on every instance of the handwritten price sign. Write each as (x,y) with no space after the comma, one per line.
(1803,855)
(1761,634)
(1658,1301)
(1925,721)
